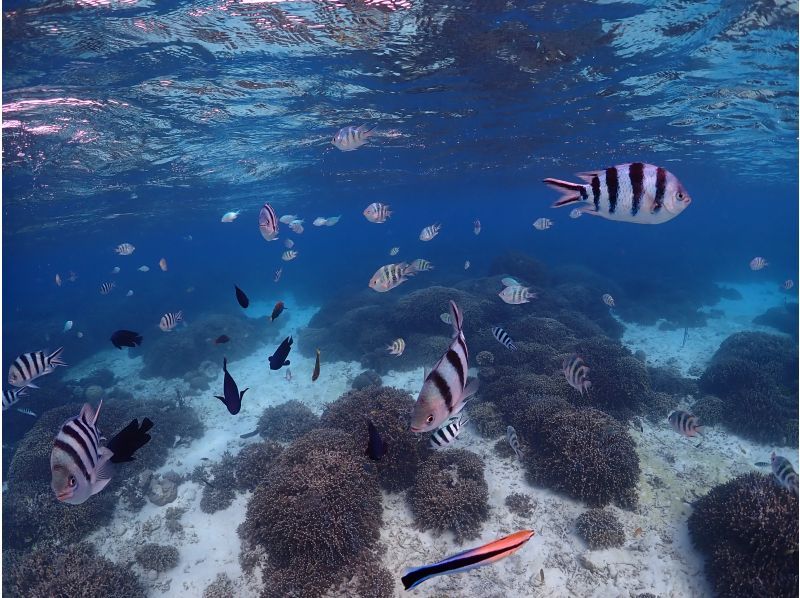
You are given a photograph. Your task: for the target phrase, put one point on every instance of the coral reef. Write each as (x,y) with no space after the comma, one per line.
(658,406)
(74,570)
(458,475)
(600,528)
(520,504)
(486,420)
(221,587)
(388,408)
(503,450)
(286,421)
(172,518)
(366,378)
(748,529)
(783,318)
(484,358)
(219,483)
(520,266)
(253,463)
(710,410)
(157,557)
(669,380)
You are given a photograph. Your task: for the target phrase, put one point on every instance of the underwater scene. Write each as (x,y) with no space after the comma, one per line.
(376,298)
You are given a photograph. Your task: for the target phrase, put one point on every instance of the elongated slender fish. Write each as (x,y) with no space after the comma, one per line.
(637,192)
(268,223)
(429,232)
(390,276)
(445,388)
(397,347)
(513,441)
(469,559)
(447,434)
(785,474)
(169,320)
(29,366)
(576,372)
(503,338)
(232,396)
(315,375)
(125,249)
(684,423)
(351,138)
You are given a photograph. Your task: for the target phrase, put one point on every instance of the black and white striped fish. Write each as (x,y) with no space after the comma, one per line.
(268,223)
(11,396)
(785,474)
(639,193)
(351,138)
(513,441)
(684,423)
(390,276)
(29,366)
(448,432)
(170,320)
(106,288)
(445,388)
(421,265)
(125,249)
(429,232)
(502,336)
(576,373)
(377,213)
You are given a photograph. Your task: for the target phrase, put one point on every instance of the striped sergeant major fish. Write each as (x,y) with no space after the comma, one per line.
(106,288)
(445,388)
(514,293)
(29,366)
(377,212)
(469,559)
(449,432)
(390,276)
(397,347)
(289,255)
(351,138)
(608,300)
(785,474)
(125,249)
(685,423)
(169,320)
(637,192)
(576,372)
(79,466)
(503,338)
(11,396)
(513,441)
(421,265)
(268,223)
(758,263)
(429,232)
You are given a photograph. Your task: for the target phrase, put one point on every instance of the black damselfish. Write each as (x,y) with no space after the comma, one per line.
(232,398)
(376,448)
(126,338)
(278,359)
(241,297)
(129,440)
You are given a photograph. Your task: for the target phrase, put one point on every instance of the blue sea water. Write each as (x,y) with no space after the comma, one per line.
(144,122)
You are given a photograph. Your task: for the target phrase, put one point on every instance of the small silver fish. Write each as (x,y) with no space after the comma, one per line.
(476,227)
(67,325)
(125,249)
(575,213)
(608,300)
(758,263)
(467,265)
(429,232)
(115,270)
(446,318)
(542,224)
(289,255)
(394,251)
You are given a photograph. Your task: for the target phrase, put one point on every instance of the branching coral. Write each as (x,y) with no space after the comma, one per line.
(486,420)
(219,484)
(748,528)
(286,421)
(600,528)
(458,475)
(157,557)
(520,504)
(253,463)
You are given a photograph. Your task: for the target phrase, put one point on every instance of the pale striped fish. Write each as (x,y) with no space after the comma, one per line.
(397,347)
(421,265)
(25,411)
(377,213)
(351,138)
(11,396)
(784,473)
(429,232)
(476,227)
(297,226)
(515,293)
(390,276)
(503,338)
(446,318)
(268,223)
(684,423)
(29,366)
(288,243)
(125,249)
(445,388)
(576,373)
(637,192)
(608,300)
(289,255)
(320,221)
(758,263)
(106,288)
(575,213)
(787,284)
(542,223)
(394,251)
(467,265)
(169,320)
(513,441)
(449,432)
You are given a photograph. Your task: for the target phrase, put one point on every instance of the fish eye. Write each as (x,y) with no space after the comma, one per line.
(72,481)
(680,194)
(430,418)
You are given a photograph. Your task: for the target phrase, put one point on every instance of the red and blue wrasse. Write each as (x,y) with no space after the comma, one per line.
(469,559)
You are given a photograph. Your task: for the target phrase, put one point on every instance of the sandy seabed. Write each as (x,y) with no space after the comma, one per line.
(660,560)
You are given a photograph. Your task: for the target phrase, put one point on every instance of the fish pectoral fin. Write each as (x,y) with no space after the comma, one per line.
(105,468)
(470,389)
(287,362)
(31,385)
(221,399)
(241,393)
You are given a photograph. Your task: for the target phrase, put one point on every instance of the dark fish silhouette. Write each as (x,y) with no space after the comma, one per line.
(232,398)
(224,338)
(126,338)
(241,297)
(249,434)
(277,310)
(129,440)
(315,375)
(376,448)
(278,359)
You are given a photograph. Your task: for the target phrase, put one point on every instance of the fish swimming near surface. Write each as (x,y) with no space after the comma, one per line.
(758,263)
(516,294)
(787,284)
(230,216)
(126,338)
(289,255)
(476,227)
(221,339)
(542,223)
(429,232)
(241,297)
(277,276)
(125,249)
(513,441)
(106,288)
(397,347)
(390,276)
(394,251)
(576,372)
(162,263)
(277,310)
(29,366)
(446,318)
(608,300)
(684,423)
(115,270)
(58,280)
(268,223)
(469,559)
(170,320)
(315,374)
(503,338)
(233,397)
(287,218)
(68,326)
(449,431)
(376,447)
(467,265)
(636,192)
(377,213)
(445,388)
(351,138)
(278,359)
(784,473)
(79,466)
(144,268)
(12,396)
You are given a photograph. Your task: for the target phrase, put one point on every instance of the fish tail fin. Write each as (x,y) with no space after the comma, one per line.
(224,363)
(470,389)
(54,358)
(367,131)
(414,576)
(179,316)
(458,318)
(241,393)
(570,192)
(701,430)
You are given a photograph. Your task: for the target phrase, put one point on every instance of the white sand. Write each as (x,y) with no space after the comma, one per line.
(661,560)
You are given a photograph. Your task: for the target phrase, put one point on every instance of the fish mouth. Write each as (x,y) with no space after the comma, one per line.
(62,496)
(413,429)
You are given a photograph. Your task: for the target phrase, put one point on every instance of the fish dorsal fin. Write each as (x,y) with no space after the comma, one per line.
(586,176)
(425,372)
(88,414)
(510,282)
